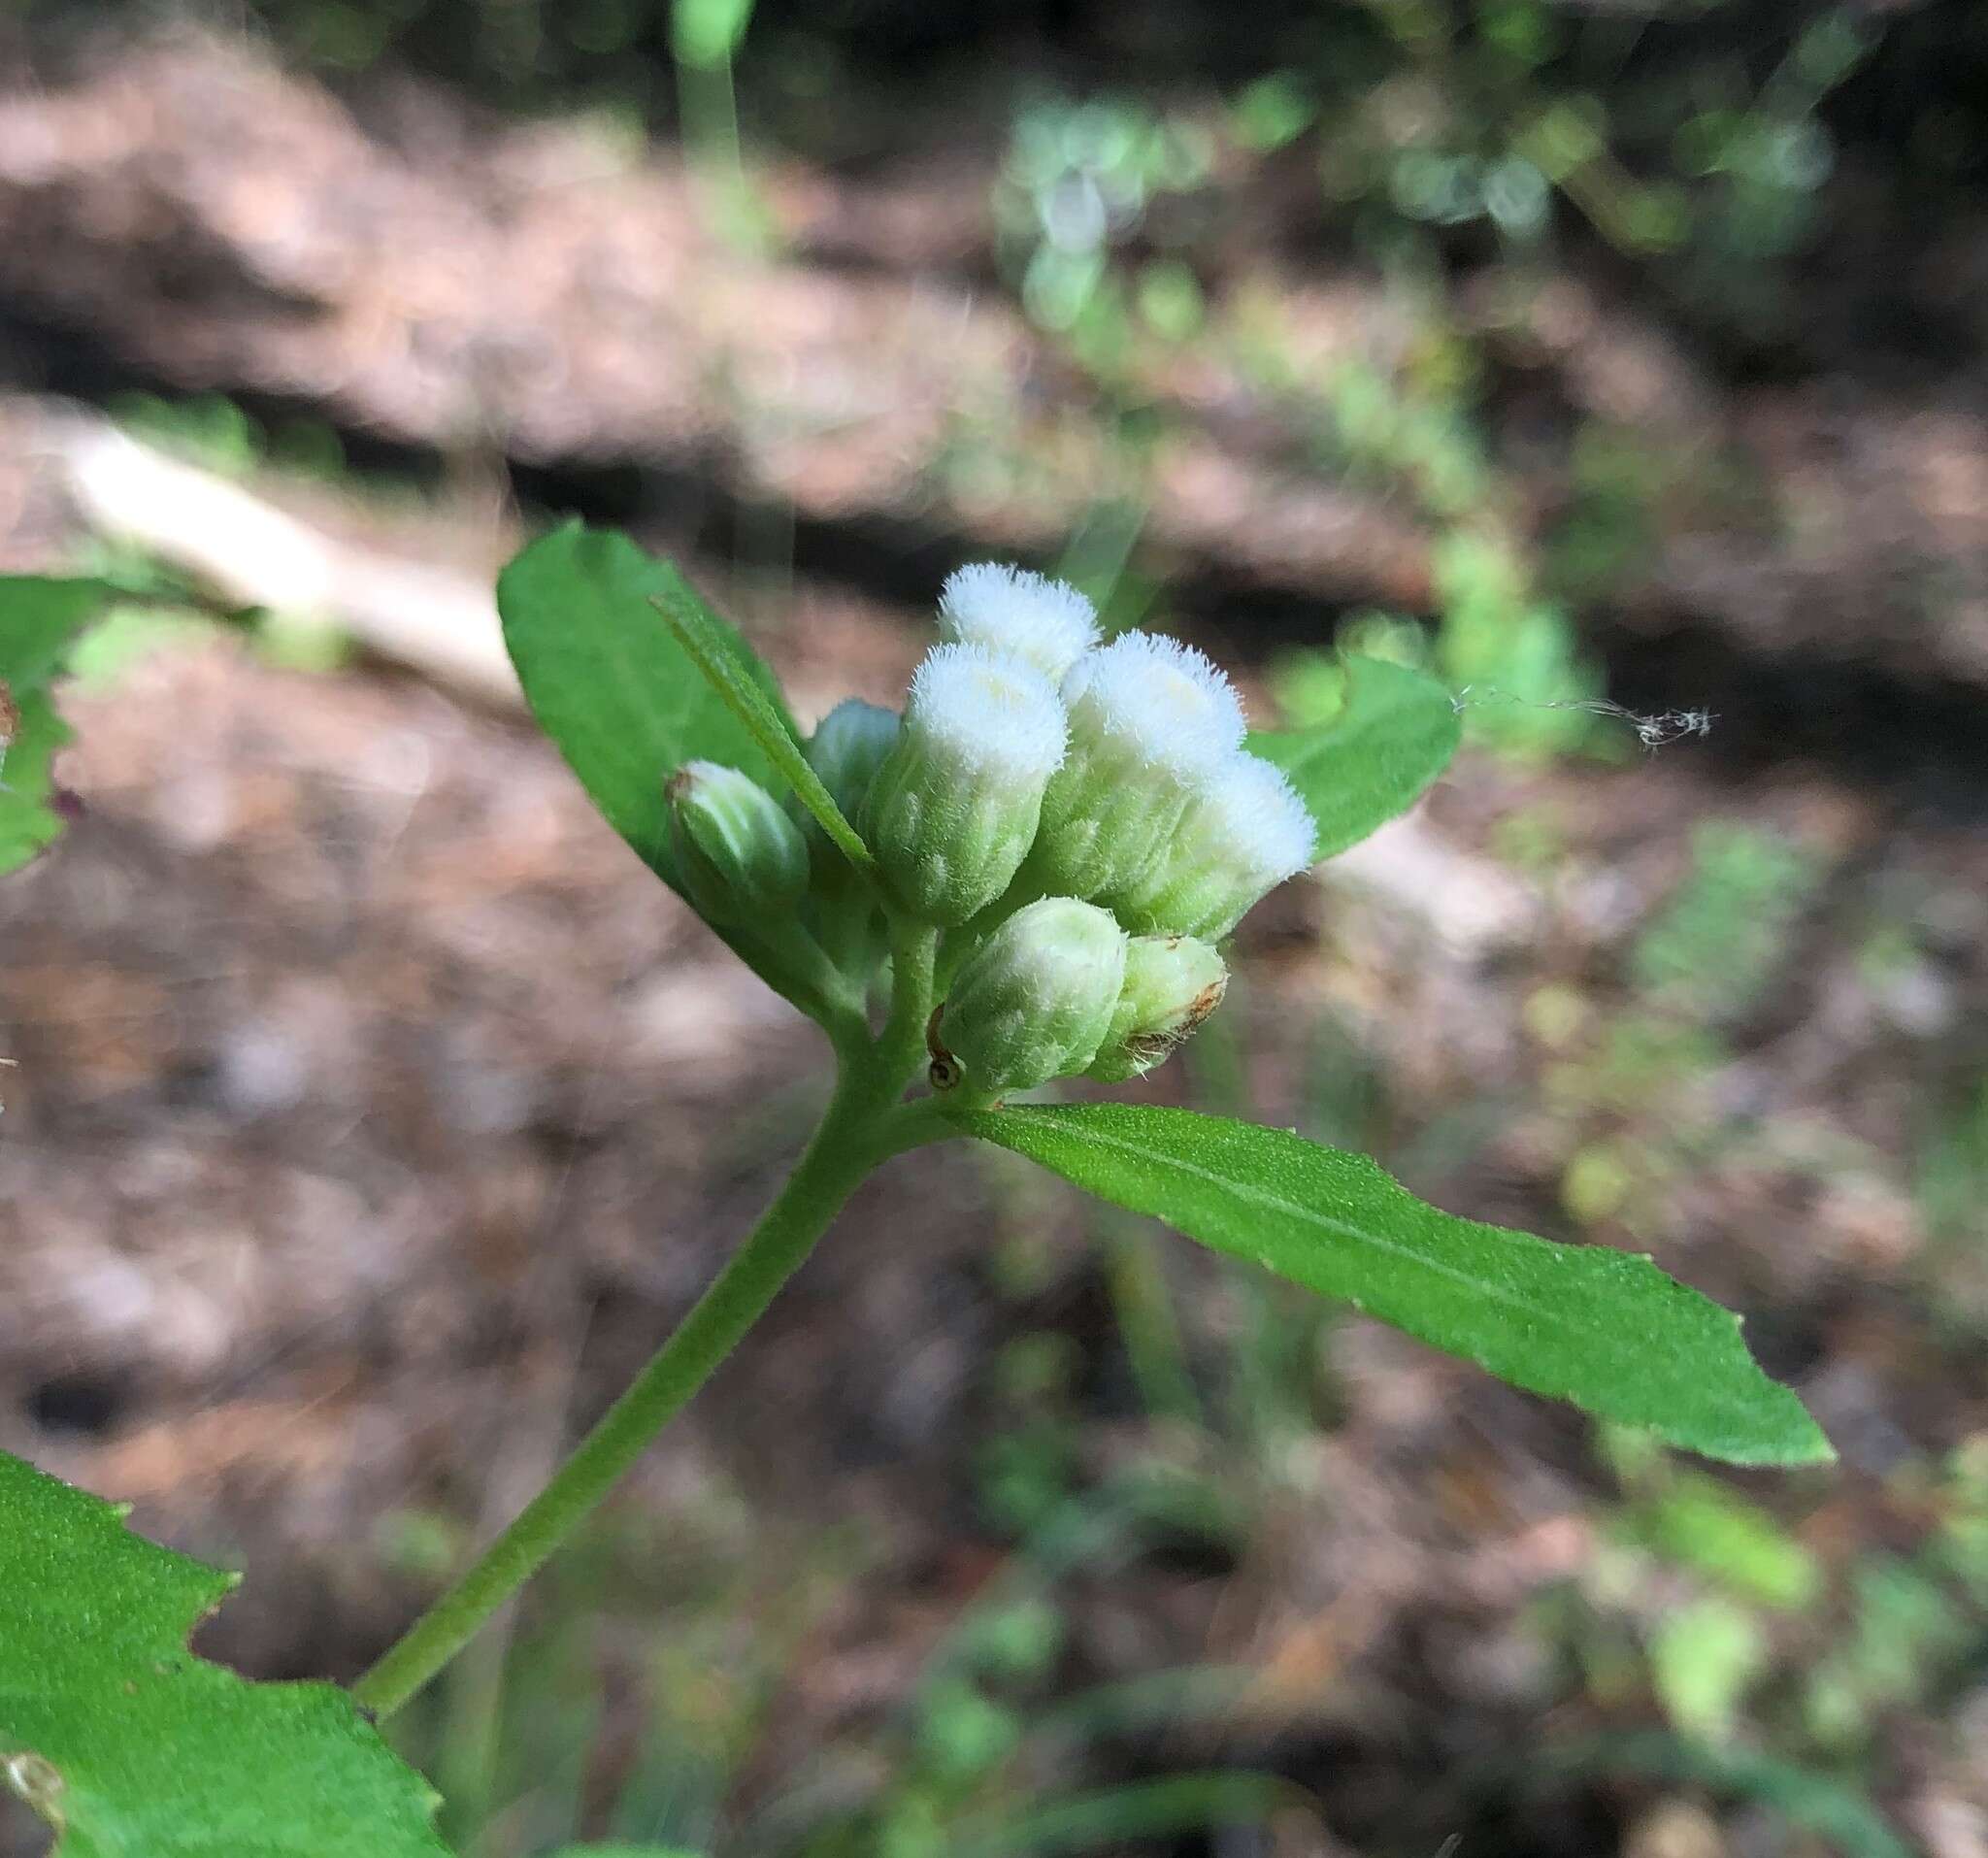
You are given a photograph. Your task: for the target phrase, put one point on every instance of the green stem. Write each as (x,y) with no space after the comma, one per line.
(913,964)
(865,1124)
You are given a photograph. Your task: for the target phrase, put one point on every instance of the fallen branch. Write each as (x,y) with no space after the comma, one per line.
(249,554)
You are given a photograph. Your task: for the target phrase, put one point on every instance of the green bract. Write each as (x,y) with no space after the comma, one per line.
(1243,832)
(1034,1001)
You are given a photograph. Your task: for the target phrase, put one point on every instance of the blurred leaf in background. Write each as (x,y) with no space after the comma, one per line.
(41,623)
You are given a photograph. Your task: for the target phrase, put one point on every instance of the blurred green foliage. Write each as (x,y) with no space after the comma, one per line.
(1699,142)
(1953,1165)
(670,1645)
(1631,1086)
(1701,152)
(1775,1665)
(1076,184)
(1725,930)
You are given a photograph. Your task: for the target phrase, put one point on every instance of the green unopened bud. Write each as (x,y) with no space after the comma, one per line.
(953,812)
(1149,718)
(741,860)
(848,747)
(1241,835)
(1033,1002)
(1172,984)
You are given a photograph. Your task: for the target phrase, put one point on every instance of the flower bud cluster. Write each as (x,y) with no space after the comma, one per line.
(1080,818)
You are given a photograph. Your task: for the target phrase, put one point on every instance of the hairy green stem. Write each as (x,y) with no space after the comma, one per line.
(865,1124)
(913,961)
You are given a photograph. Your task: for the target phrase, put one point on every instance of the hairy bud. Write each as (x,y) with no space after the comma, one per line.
(1241,836)
(1044,623)
(1172,984)
(741,860)
(1149,720)
(953,809)
(1033,1002)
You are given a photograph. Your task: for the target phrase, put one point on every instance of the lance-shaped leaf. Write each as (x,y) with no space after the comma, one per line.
(709,640)
(1604,1329)
(1395,732)
(131,1747)
(613,687)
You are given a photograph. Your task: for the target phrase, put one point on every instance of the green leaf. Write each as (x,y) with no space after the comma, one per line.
(708,641)
(1604,1329)
(133,1747)
(624,701)
(28,822)
(1394,733)
(40,621)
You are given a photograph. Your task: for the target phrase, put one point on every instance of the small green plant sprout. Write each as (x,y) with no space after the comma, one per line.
(1026,877)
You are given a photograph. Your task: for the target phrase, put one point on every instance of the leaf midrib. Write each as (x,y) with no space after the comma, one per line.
(1256,1196)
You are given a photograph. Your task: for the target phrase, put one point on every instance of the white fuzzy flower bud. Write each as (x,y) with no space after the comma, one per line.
(953,809)
(1046,623)
(1241,835)
(741,859)
(1150,718)
(1172,984)
(1033,1002)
